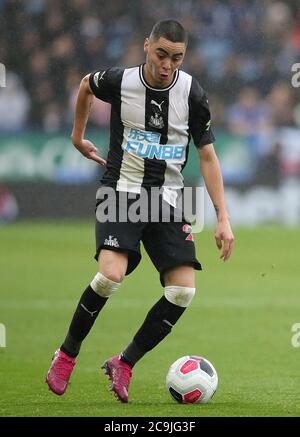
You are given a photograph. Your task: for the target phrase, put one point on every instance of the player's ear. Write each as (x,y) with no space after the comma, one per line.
(146,45)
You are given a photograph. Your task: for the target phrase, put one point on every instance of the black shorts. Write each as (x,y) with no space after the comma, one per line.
(168,244)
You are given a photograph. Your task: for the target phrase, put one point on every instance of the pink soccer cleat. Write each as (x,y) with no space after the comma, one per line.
(59,373)
(119,373)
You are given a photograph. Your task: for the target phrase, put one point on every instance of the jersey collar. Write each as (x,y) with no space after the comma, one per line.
(176,74)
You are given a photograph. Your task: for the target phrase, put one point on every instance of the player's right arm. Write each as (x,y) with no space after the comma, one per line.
(200,127)
(84,103)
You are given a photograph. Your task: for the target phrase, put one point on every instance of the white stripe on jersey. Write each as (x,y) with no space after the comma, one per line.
(132,169)
(133,116)
(132,99)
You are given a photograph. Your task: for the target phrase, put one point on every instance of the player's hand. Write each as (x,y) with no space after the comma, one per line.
(224,234)
(89,150)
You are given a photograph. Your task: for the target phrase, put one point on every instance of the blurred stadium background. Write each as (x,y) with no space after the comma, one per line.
(242,52)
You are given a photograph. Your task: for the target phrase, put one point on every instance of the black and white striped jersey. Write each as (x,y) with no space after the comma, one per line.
(150,127)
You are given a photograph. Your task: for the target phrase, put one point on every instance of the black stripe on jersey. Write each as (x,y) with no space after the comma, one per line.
(186,154)
(115,154)
(199,116)
(156,120)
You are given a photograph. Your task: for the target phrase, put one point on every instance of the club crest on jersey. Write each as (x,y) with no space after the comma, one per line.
(156,121)
(111,241)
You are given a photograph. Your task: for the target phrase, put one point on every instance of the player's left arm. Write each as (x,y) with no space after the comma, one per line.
(211,172)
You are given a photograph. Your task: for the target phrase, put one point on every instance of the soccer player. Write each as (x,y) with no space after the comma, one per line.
(155,110)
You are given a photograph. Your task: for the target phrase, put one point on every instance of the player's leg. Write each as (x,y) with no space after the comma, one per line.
(172,251)
(174,257)
(112,269)
(119,249)
(181,276)
(178,293)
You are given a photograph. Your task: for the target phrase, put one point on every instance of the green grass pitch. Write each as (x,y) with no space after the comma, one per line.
(240,319)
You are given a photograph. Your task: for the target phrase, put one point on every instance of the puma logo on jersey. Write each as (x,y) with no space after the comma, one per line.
(97,78)
(153,102)
(101,77)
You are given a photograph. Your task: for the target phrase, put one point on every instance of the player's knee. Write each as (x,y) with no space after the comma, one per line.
(181,296)
(105,286)
(113,276)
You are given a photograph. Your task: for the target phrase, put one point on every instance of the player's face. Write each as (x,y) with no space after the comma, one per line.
(163,57)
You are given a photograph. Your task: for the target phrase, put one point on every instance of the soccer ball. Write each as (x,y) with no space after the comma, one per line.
(192,380)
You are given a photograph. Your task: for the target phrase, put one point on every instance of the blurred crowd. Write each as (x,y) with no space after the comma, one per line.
(241,51)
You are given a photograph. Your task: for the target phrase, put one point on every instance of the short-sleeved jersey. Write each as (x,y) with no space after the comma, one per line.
(150,127)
